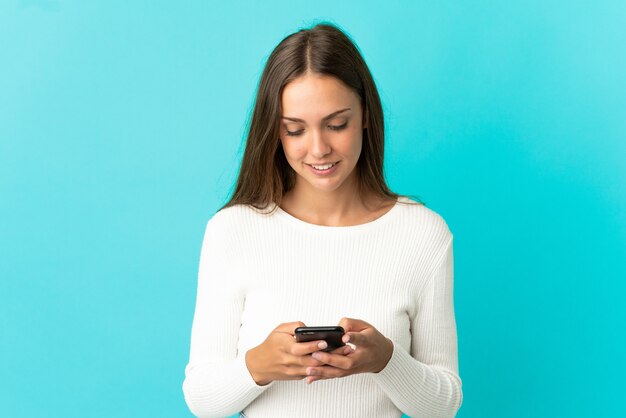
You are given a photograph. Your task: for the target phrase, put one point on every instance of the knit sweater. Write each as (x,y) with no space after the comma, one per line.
(258,270)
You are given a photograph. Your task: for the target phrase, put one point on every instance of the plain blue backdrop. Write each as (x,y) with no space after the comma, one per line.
(122,127)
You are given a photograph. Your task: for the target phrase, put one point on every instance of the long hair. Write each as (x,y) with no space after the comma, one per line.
(265,175)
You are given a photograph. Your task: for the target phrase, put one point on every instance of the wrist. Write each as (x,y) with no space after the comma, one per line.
(388,353)
(256,374)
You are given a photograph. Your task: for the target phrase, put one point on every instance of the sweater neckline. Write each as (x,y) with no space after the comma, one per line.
(384,218)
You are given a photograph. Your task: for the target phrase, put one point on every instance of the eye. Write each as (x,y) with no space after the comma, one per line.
(331,127)
(338,128)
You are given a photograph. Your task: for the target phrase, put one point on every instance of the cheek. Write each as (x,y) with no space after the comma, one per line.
(293,149)
(356,143)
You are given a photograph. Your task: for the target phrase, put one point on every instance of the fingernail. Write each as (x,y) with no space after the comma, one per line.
(322,345)
(346,338)
(316,355)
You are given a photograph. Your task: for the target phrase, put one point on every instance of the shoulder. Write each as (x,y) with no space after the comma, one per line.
(223,230)
(234,220)
(422,228)
(418,215)
(424,233)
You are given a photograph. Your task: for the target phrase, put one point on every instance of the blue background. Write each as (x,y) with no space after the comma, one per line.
(121,130)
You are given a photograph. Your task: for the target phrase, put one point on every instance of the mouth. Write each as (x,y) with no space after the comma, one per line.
(324,166)
(326,169)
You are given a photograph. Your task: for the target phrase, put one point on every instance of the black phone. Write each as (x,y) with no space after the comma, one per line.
(332,335)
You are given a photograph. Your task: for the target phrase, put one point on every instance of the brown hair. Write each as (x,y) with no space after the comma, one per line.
(265,175)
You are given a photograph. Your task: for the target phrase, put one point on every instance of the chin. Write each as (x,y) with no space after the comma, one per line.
(326,186)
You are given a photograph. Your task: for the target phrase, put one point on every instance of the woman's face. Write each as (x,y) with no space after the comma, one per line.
(321,124)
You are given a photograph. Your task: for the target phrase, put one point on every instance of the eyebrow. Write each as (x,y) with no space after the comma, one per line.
(324,118)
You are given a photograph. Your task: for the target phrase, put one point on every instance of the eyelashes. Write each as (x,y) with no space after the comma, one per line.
(331,127)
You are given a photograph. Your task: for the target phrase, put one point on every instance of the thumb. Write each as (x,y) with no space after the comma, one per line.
(289,327)
(353,325)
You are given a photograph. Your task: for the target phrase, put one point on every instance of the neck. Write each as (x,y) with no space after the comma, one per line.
(332,208)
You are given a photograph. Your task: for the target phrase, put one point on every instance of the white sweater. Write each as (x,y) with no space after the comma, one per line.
(257,271)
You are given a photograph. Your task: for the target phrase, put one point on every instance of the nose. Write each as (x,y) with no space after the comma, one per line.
(318,147)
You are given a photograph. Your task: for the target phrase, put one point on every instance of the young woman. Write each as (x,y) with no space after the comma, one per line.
(313,236)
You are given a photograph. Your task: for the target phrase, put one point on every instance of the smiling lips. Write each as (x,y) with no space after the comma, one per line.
(323,168)
(322,164)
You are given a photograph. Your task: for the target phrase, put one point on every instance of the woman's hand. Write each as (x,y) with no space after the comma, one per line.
(280,357)
(372,353)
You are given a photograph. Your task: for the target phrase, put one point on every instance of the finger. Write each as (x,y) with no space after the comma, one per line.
(343,350)
(298,365)
(335,360)
(304,348)
(307,361)
(311,379)
(354,338)
(289,327)
(352,324)
(326,372)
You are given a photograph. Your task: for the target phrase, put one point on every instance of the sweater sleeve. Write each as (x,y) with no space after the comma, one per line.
(217,381)
(425,382)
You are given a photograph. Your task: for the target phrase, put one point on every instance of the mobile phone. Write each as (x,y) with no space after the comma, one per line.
(332,335)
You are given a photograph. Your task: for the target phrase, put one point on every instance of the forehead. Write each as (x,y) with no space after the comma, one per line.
(314,96)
